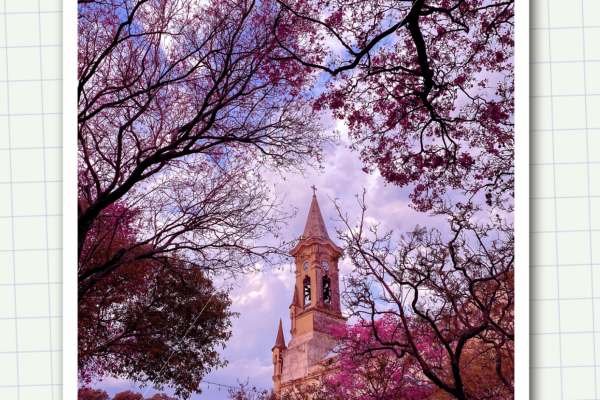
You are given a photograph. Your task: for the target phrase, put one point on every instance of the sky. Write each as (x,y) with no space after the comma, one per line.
(262,299)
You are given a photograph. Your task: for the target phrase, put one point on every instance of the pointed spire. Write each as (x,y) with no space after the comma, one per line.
(280,342)
(315,225)
(295,300)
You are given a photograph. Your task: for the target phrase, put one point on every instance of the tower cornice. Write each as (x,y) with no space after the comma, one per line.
(316,309)
(304,242)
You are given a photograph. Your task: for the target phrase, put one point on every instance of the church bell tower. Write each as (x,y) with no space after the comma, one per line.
(315,305)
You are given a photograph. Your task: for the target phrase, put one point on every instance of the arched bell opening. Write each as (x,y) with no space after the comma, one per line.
(326,290)
(306,285)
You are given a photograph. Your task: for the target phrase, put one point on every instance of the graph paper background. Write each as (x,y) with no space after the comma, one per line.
(30,199)
(565,199)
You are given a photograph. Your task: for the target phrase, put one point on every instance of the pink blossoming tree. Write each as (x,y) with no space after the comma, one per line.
(365,370)
(148,320)
(182,106)
(426,90)
(449,301)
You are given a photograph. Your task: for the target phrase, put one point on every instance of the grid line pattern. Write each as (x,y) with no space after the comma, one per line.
(564,199)
(31,199)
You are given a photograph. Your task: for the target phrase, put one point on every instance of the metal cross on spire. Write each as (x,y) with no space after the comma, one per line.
(314,190)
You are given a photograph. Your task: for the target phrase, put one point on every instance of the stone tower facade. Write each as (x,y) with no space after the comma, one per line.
(315,306)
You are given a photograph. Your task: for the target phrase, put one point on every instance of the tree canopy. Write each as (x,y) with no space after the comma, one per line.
(184,104)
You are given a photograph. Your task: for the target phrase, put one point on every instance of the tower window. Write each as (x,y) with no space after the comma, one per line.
(307,290)
(326,289)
